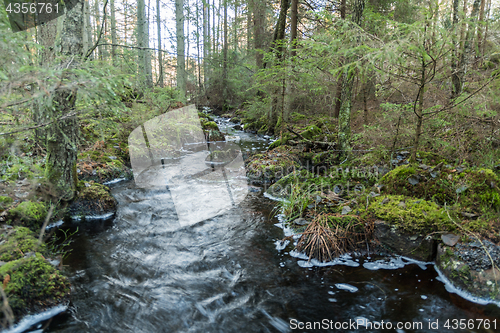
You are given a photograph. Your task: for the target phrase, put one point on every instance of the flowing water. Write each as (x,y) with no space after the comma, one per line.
(144,271)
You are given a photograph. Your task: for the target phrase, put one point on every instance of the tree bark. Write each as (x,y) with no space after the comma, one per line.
(249,27)
(113,32)
(278,40)
(465,56)
(344,134)
(259,31)
(181,63)
(206,39)
(293,27)
(141,41)
(480,29)
(62,136)
(224,65)
(338,92)
(160,55)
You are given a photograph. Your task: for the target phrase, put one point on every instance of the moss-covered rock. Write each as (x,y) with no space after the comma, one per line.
(271,166)
(211,130)
(29,214)
(5,202)
(17,242)
(93,199)
(310,132)
(398,241)
(33,285)
(473,190)
(412,215)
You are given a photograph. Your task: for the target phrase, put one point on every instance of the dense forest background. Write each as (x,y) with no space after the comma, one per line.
(376,75)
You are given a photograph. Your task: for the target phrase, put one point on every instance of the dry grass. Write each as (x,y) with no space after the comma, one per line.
(324,241)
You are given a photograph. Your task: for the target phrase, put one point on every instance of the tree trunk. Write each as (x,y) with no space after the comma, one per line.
(141,41)
(338,93)
(293,27)
(198,34)
(148,67)
(293,52)
(455,78)
(181,63)
(249,27)
(97,28)
(47,33)
(113,32)
(344,134)
(465,56)
(224,65)
(278,39)
(62,136)
(206,39)
(235,27)
(480,29)
(259,31)
(160,55)
(419,113)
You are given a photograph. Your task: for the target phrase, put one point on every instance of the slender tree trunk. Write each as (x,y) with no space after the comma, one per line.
(344,134)
(160,55)
(465,56)
(113,32)
(224,65)
(249,27)
(293,28)
(87,28)
(47,33)
(149,69)
(235,27)
(288,99)
(419,112)
(97,28)
(278,40)
(181,63)
(259,31)
(455,78)
(141,22)
(483,43)
(206,40)
(198,34)
(62,136)
(480,29)
(188,14)
(338,92)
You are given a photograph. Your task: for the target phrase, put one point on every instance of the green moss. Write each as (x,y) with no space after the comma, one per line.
(210,125)
(17,242)
(281,141)
(95,192)
(5,202)
(413,215)
(271,166)
(32,284)
(31,214)
(310,132)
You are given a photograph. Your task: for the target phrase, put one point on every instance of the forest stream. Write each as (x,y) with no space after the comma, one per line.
(143,271)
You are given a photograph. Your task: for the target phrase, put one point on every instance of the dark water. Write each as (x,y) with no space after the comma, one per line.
(144,272)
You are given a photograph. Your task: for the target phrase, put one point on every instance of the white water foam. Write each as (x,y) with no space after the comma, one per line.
(94,217)
(394,263)
(345,286)
(114,181)
(29,321)
(465,295)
